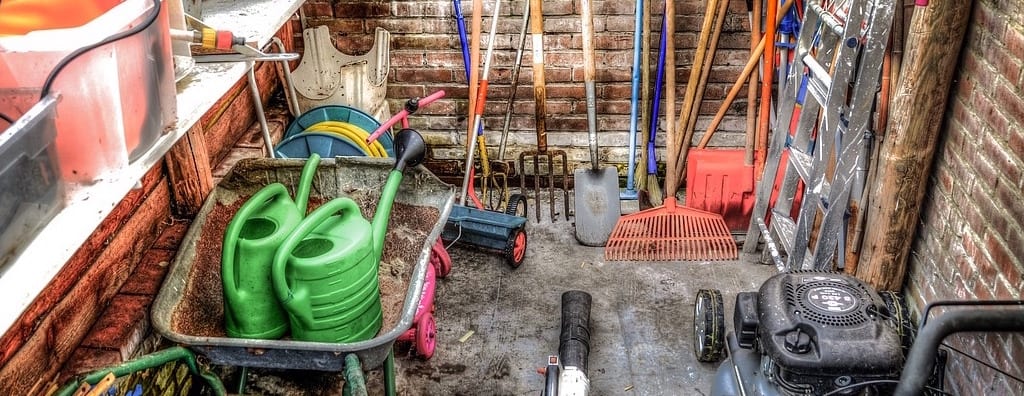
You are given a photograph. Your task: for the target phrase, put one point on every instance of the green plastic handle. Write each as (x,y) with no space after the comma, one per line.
(268,194)
(305,181)
(343,205)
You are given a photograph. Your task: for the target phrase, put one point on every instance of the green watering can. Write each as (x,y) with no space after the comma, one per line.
(251,309)
(325,272)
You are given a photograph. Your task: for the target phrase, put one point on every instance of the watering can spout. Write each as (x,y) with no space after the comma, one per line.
(409,151)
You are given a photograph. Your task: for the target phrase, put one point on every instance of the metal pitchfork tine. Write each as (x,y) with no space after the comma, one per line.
(540,95)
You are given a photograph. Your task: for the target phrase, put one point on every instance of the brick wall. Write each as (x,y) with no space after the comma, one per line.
(426,56)
(970,243)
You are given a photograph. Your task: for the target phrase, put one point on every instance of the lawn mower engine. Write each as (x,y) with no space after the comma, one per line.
(804,333)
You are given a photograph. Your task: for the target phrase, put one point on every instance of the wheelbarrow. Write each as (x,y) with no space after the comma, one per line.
(188,310)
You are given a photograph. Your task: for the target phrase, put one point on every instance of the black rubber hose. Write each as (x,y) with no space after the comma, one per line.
(921,359)
(574,341)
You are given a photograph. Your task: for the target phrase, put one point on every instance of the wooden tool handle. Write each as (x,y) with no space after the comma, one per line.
(751,63)
(587,16)
(539,89)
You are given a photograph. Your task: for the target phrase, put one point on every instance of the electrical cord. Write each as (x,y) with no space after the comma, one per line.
(48,84)
(6,118)
(459,235)
(839,390)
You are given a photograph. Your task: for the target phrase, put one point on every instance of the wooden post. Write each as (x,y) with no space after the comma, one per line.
(188,170)
(933,47)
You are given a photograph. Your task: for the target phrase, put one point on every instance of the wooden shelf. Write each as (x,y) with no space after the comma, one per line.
(22,280)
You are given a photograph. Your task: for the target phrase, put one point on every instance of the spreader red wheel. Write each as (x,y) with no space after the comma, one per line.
(426,336)
(516,205)
(515,250)
(440,258)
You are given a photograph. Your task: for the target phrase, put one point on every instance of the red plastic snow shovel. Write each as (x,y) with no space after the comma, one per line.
(722,181)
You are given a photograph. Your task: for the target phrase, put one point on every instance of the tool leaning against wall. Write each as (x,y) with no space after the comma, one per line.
(596,195)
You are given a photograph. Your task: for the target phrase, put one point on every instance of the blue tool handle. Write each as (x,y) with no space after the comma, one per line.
(634,108)
(652,162)
(460,23)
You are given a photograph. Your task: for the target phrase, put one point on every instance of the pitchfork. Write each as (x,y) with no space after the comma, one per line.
(542,153)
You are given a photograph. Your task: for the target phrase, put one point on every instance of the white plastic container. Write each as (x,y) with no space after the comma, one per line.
(115,100)
(31,193)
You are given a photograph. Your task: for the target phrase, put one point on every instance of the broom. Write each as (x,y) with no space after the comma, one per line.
(654,194)
(671,232)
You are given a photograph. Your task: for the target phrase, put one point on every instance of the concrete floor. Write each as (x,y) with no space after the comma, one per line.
(641,323)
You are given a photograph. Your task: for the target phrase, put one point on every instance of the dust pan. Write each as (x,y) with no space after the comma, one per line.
(671,233)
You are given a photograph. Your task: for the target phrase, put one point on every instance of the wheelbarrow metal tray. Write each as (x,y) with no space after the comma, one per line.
(350,176)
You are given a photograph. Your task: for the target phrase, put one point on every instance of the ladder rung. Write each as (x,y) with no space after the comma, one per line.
(820,82)
(785,228)
(827,18)
(801,162)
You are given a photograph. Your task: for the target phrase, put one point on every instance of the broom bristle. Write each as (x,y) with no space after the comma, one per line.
(640,174)
(654,194)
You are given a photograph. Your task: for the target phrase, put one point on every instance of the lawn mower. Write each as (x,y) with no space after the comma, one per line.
(826,333)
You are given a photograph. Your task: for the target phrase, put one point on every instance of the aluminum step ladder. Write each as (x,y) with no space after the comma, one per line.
(837,63)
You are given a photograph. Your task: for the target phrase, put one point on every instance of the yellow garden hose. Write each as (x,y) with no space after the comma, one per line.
(353,133)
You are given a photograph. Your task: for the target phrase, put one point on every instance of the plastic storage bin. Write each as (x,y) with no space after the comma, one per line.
(115,100)
(30,190)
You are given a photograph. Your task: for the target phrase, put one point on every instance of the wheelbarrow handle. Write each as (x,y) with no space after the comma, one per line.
(410,107)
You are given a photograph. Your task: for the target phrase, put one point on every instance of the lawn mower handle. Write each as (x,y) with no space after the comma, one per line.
(921,358)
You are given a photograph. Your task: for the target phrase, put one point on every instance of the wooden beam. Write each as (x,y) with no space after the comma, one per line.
(189,172)
(73,270)
(933,47)
(230,117)
(58,333)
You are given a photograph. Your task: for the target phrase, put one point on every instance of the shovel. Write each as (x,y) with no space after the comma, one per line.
(597,189)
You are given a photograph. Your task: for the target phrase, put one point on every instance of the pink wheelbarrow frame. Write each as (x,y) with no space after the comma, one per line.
(423,333)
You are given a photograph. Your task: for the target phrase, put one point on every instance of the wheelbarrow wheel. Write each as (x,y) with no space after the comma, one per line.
(516,205)
(709,326)
(440,258)
(426,336)
(515,249)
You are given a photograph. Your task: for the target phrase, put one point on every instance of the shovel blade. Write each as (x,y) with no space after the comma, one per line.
(597,204)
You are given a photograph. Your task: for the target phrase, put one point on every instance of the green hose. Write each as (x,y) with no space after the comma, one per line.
(389,373)
(355,381)
(149,361)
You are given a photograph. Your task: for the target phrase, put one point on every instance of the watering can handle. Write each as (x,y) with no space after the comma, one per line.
(305,181)
(269,193)
(344,205)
